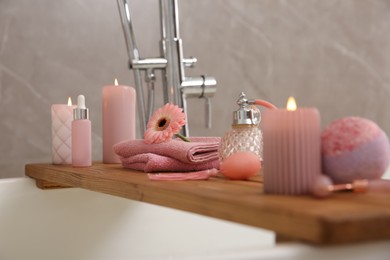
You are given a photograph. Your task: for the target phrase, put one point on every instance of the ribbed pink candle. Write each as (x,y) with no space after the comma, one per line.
(118,118)
(61,121)
(292,152)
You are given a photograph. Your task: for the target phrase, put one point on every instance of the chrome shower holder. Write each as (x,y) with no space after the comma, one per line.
(177,87)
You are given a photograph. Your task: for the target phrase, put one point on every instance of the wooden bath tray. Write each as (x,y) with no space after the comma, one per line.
(342,218)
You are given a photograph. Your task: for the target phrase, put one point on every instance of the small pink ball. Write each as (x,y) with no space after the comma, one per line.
(240,166)
(354,148)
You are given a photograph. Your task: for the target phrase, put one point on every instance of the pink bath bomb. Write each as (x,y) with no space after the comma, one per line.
(354,148)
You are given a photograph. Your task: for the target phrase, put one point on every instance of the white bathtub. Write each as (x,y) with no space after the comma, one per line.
(77,224)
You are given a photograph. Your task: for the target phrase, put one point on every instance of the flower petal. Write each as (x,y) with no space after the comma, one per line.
(174,120)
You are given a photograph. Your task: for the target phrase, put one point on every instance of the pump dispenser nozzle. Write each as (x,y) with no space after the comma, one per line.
(80,112)
(247,114)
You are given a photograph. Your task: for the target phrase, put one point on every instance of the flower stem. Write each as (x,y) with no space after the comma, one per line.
(182,137)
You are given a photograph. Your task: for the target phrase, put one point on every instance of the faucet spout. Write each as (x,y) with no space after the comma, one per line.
(199,87)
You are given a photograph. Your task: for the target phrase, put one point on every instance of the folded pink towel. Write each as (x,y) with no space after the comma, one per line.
(149,162)
(199,150)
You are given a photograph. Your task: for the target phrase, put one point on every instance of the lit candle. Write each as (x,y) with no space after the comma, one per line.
(61,133)
(292,154)
(118,118)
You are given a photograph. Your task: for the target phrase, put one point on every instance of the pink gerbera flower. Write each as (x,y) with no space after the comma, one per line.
(164,123)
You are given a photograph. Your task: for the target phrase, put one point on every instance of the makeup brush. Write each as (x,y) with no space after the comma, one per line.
(323,186)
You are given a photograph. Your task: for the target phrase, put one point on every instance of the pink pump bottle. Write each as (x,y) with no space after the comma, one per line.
(81,135)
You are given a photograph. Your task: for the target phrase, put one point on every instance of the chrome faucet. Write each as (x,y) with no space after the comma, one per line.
(176,86)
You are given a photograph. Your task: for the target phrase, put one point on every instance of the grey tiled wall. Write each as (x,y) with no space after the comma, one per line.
(334,55)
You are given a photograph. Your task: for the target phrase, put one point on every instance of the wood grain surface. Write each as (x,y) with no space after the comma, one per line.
(342,218)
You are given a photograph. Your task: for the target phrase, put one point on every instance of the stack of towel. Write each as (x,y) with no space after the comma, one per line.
(172,156)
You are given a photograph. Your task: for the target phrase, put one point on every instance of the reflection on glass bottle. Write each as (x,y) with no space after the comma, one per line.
(245,134)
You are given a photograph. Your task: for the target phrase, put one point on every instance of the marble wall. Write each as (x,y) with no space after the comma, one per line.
(334,55)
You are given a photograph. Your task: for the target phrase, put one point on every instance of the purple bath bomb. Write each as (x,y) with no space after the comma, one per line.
(354,148)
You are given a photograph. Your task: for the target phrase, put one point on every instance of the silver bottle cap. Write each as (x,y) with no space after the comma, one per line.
(80,112)
(247,114)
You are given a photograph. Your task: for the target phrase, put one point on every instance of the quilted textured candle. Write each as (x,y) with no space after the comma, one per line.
(292,155)
(61,122)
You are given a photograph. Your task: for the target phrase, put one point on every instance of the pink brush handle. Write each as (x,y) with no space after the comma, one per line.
(323,186)
(264,103)
(379,185)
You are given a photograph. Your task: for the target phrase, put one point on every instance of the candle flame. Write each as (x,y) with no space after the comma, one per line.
(69,101)
(116,82)
(291,104)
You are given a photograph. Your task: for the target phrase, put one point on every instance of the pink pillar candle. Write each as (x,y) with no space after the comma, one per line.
(61,133)
(118,118)
(292,151)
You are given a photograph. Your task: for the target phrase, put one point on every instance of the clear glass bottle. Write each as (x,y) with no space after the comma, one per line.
(245,134)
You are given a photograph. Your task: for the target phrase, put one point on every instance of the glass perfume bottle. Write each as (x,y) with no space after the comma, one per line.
(245,134)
